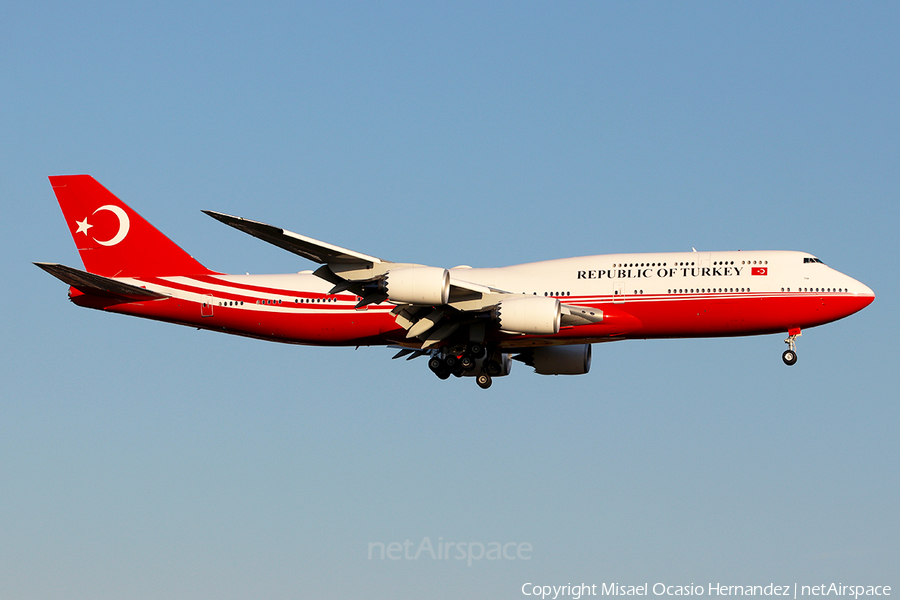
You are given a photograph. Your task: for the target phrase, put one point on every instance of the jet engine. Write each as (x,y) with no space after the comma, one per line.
(417,285)
(530,314)
(559,360)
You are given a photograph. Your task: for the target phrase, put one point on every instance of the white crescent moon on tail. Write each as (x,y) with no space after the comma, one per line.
(124,225)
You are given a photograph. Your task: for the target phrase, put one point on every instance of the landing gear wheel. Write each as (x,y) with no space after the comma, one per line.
(484,381)
(435,364)
(789,357)
(450,361)
(467,363)
(493,367)
(476,350)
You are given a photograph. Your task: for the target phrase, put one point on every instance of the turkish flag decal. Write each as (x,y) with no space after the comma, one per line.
(759,271)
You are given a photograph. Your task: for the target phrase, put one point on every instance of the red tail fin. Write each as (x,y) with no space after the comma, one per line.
(113,240)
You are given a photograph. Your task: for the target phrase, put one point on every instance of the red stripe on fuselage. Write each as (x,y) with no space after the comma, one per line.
(251,294)
(319,327)
(714,315)
(636,316)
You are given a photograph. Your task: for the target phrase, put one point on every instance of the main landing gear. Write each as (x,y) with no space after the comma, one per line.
(472,359)
(484,381)
(790,355)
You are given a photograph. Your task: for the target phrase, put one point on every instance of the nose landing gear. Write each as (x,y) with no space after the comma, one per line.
(790,355)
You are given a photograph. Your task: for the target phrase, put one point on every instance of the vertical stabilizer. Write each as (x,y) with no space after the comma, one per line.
(112,239)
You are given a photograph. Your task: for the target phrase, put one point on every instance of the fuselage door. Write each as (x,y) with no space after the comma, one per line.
(206,307)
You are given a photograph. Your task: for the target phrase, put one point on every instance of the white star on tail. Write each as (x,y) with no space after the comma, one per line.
(83,226)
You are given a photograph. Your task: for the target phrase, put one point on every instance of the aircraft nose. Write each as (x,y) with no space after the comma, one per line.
(863,293)
(867,293)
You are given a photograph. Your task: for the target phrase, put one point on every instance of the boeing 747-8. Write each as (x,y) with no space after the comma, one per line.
(467,321)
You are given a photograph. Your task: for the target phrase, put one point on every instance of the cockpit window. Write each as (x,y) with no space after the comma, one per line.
(812,259)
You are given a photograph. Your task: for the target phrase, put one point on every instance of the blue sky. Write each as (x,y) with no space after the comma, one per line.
(146,460)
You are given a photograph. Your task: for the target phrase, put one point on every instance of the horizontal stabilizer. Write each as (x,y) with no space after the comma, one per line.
(97,285)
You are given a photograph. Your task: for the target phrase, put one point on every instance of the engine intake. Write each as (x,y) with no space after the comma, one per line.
(417,285)
(531,315)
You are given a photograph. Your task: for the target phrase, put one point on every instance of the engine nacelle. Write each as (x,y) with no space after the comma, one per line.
(530,314)
(562,360)
(417,285)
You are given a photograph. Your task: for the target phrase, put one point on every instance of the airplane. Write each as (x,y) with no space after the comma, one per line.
(467,321)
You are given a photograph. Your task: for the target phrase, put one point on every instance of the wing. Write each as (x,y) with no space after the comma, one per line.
(314,250)
(344,267)
(431,304)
